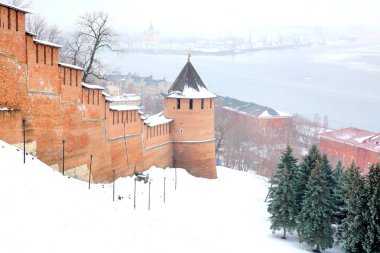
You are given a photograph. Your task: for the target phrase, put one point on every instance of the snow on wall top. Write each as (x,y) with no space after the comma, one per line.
(106,94)
(92,86)
(70,66)
(124,107)
(123,98)
(157,119)
(47,43)
(14,7)
(189,92)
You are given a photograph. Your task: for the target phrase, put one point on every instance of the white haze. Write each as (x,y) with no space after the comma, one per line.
(213,17)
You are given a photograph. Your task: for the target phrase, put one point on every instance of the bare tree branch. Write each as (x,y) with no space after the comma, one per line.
(21,3)
(93,35)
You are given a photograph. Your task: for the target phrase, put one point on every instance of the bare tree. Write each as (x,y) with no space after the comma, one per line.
(20,3)
(37,25)
(93,35)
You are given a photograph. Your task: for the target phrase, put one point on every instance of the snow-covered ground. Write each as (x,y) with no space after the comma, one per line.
(43,211)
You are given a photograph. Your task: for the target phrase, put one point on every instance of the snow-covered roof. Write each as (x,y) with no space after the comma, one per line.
(70,66)
(124,107)
(92,86)
(157,119)
(14,7)
(188,84)
(266,114)
(356,137)
(47,43)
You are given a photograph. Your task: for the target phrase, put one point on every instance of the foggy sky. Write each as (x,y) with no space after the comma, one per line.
(212,16)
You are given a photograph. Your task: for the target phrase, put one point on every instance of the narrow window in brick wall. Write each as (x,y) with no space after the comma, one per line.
(17,21)
(64,76)
(71,77)
(210,103)
(36,53)
(51,56)
(135,115)
(118,116)
(113,117)
(122,116)
(126,116)
(88,96)
(9,18)
(202,104)
(93,97)
(191,104)
(178,103)
(76,78)
(44,54)
(98,96)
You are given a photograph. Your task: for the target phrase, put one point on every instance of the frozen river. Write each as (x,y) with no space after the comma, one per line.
(341,81)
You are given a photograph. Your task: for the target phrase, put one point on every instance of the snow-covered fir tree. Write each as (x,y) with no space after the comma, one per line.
(282,197)
(372,236)
(315,219)
(339,209)
(354,225)
(308,164)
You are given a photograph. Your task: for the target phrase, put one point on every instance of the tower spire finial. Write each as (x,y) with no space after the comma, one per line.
(188,57)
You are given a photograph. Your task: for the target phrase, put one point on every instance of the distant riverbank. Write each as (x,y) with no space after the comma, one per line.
(341,81)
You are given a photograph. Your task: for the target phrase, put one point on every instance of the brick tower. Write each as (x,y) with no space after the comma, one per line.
(191,106)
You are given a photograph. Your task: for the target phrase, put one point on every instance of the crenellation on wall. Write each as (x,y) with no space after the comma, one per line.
(68,121)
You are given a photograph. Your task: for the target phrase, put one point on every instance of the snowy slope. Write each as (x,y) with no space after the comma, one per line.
(43,211)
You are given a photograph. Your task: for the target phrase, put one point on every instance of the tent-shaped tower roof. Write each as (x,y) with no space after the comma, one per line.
(188,84)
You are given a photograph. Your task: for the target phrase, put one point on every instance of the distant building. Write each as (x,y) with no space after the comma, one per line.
(264,119)
(151,35)
(351,145)
(139,85)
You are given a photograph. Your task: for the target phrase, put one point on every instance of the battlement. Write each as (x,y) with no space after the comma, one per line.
(58,106)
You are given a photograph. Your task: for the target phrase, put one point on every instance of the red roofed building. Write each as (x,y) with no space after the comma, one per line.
(351,145)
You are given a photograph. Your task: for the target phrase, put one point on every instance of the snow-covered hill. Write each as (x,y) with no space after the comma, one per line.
(43,211)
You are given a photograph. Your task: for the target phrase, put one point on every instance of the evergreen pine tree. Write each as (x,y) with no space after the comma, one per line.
(339,210)
(307,165)
(354,225)
(326,167)
(315,219)
(282,204)
(372,236)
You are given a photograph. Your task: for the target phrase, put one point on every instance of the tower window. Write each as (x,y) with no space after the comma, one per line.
(178,103)
(210,103)
(191,104)
(202,104)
